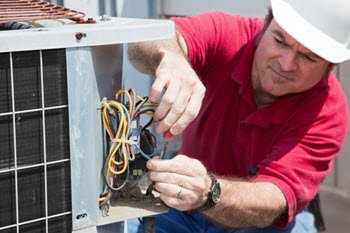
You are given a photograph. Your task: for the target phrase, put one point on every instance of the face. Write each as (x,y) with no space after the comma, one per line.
(282,66)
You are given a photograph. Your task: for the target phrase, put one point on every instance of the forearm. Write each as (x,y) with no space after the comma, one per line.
(245,204)
(146,56)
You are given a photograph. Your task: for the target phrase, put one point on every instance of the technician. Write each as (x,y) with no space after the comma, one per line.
(264,115)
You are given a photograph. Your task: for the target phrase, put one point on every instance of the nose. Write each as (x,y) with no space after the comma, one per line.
(288,61)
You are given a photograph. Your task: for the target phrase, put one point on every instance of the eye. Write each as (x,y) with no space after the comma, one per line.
(309,58)
(278,41)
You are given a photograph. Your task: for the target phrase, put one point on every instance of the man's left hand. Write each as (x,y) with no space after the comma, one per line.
(183,182)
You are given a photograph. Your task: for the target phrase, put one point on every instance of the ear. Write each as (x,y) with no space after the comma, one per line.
(331,66)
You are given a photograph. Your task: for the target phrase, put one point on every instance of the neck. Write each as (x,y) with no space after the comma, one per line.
(262,99)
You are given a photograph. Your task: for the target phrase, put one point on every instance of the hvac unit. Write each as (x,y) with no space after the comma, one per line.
(51,136)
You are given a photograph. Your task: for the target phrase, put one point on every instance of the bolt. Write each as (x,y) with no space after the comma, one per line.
(90,20)
(80,35)
(105,18)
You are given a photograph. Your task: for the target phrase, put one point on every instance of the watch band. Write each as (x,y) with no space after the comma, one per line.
(215,185)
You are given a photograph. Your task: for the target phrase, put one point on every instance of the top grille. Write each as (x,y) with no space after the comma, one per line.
(28,10)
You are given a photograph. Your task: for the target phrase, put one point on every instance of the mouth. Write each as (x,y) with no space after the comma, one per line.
(280,75)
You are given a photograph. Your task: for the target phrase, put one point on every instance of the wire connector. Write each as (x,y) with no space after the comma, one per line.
(105,104)
(130,142)
(163,152)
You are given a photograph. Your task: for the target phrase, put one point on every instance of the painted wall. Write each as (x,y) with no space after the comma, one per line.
(249,8)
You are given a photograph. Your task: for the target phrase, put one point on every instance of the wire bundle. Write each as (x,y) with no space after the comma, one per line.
(117,119)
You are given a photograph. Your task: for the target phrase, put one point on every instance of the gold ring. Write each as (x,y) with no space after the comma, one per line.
(178,194)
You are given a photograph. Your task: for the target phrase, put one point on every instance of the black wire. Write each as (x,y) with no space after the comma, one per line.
(145,99)
(103,194)
(148,124)
(140,103)
(104,173)
(149,189)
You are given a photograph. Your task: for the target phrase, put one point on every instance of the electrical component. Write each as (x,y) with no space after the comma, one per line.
(130,146)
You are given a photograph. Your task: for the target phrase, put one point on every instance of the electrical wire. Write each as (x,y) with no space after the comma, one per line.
(122,132)
(117,119)
(132,92)
(163,152)
(140,103)
(145,112)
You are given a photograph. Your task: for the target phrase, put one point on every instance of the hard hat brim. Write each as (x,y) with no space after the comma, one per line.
(308,35)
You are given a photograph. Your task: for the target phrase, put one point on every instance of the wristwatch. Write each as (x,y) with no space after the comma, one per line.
(213,195)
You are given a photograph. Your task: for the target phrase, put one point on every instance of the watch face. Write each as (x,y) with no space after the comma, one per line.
(216,194)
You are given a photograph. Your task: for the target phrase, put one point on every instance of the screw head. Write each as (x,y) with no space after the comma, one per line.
(80,35)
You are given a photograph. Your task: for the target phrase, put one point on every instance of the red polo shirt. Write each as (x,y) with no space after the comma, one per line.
(292,141)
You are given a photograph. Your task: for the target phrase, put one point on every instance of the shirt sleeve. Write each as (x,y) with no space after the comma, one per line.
(302,157)
(215,37)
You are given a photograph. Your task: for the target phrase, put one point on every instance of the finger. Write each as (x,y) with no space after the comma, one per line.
(165,104)
(157,88)
(189,114)
(176,109)
(180,164)
(186,201)
(188,182)
(168,136)
(172,202)
(171,190)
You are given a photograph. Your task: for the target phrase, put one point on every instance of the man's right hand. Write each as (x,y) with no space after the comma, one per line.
(183,96)
(167,60)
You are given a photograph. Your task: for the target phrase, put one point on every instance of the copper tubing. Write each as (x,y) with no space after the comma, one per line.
(28,10)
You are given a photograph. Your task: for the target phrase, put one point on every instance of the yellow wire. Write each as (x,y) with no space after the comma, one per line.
(122,119)
(137,96)
(150,106)
(122,125)
(129,97)
(105,122)
(148,114)
(123,136)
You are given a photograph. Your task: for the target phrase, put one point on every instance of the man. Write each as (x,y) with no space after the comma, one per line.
(267,116)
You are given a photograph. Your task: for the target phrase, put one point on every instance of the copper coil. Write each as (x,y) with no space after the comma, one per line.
(29,10)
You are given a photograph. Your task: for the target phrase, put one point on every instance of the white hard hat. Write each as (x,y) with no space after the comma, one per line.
(322,26)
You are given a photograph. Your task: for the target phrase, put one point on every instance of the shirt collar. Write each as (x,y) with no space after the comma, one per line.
(283,109)
(242,72)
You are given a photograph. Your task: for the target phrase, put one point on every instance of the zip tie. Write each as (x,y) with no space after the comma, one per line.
(130,142)
(105,104)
